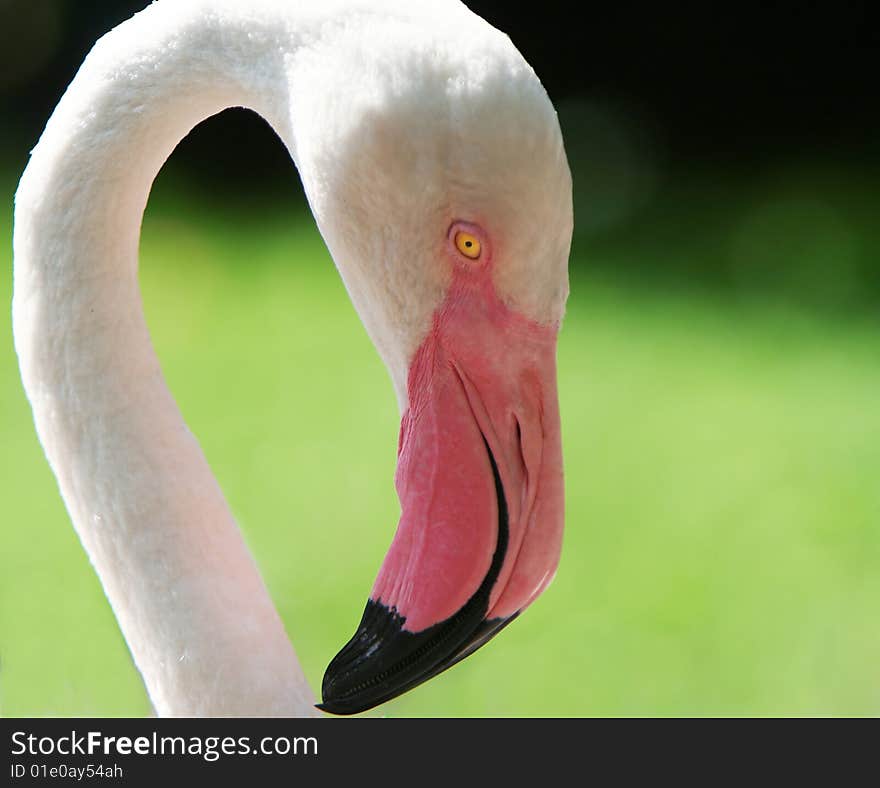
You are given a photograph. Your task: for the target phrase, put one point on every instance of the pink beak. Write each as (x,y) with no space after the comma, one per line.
(479,478)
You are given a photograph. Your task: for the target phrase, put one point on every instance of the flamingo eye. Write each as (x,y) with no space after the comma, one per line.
(469,245)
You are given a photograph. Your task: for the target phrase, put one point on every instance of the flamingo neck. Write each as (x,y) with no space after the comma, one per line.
(193,608)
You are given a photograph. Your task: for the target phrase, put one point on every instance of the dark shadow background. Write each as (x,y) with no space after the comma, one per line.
(722,85)
(679,121)
(684,123)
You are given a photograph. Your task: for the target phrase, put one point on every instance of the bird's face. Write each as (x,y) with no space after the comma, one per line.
(444,195)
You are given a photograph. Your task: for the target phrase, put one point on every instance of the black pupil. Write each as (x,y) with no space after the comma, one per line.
(468,244)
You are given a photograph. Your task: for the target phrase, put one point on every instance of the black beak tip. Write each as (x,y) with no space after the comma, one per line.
(384,659)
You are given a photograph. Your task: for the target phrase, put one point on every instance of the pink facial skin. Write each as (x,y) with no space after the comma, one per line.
(483,370)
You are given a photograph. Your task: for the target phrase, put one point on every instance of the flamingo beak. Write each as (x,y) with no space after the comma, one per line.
(479,478)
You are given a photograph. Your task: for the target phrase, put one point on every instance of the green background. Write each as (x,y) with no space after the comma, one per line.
(719,371)
(722,551)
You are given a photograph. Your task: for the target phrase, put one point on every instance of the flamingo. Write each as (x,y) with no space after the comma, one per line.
(434,166)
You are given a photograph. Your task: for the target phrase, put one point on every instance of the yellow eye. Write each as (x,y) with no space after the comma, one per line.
(467,244)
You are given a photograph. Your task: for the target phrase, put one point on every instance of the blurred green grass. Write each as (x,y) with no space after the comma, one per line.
(722,552)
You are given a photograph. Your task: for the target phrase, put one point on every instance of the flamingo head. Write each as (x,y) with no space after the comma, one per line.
(443,192)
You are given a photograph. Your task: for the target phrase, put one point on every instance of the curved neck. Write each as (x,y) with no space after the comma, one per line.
(192,606)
